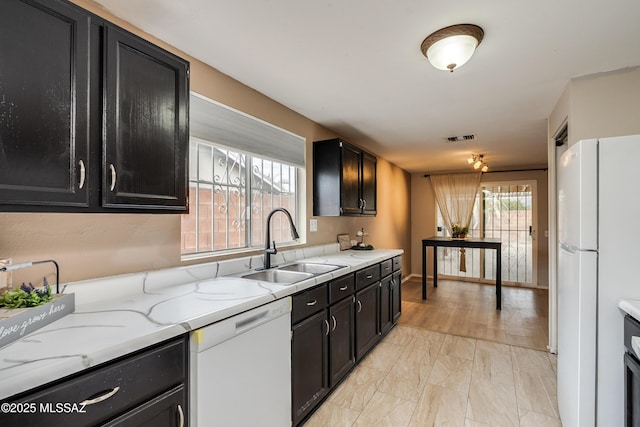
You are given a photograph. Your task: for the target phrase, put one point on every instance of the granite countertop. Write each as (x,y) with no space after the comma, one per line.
(632,307)
(119,315)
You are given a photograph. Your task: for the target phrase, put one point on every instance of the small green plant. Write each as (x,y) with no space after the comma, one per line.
(26,296)
(458,231)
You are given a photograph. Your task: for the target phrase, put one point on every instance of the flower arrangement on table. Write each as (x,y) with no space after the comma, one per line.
(459,232)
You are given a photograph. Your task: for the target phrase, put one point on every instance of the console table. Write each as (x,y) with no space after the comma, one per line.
(436,241)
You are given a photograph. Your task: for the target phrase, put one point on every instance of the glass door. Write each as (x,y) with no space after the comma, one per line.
(506,211)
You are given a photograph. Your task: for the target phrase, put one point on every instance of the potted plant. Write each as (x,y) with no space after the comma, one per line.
(459,232)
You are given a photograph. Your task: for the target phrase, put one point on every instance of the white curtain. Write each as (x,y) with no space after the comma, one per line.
(456,195)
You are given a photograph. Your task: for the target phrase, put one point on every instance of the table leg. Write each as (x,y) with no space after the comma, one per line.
(424,271)
(498,279)
(435,266)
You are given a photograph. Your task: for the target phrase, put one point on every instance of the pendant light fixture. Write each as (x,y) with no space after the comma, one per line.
(477,161)
(451,47)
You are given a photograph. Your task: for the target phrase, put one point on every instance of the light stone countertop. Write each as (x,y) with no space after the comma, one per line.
(118,315)
(632,307)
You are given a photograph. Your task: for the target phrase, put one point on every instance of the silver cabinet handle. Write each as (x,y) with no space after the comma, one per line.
(327,323)
(335,323)
(180,416)
(113,176)
(369,276)
(100,398)
(359,306)
(314,302)
(364,204)
(344,288)
(82,173)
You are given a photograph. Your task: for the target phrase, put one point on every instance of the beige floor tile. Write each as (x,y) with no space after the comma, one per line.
(402,335)
(437,337)
(452,373)
(553,358)
(421,350)
(472,423)
(534,361)
(356,391)
(536,393)
(492,403)
(439,406)
(332,415)
(493,362)
(531,419)
(386,410)
(463,348)
(406,380)
(383,356)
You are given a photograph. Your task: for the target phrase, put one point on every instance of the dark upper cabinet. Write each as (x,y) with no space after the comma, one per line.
(91,117)
(368,184)
(145,147)
(44,72)
(344,179)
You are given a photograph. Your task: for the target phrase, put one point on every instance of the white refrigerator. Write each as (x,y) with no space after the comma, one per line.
(598,263)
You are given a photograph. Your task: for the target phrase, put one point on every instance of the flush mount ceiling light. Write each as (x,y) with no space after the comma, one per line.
(477,160)
(451,47)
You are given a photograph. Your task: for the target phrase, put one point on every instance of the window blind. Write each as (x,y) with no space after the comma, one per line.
(212,121)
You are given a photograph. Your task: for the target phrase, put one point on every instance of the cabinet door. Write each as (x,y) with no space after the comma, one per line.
(396,296)
(167,410)
(44,70)
(369,184)
(342,355)
(351,178)
(386,318)
(367,303)
(146,125)
(309,364)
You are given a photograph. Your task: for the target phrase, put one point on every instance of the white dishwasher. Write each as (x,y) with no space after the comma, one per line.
(240,372)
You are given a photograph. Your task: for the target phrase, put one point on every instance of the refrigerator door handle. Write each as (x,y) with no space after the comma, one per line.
(567,248)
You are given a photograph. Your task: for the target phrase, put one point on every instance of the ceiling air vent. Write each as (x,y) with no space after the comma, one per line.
(471,137)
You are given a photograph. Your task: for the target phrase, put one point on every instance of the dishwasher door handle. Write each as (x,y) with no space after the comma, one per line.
(249,321)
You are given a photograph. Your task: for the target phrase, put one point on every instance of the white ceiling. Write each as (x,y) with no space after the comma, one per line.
(355,66)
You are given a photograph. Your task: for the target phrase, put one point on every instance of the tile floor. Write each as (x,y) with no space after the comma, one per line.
(416,377)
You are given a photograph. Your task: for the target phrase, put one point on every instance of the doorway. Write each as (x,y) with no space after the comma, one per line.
(507,211)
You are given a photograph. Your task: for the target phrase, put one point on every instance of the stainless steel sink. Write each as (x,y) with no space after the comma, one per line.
(278,276)
(309,267)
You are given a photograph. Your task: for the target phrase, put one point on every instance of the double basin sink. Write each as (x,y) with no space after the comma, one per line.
(291,273)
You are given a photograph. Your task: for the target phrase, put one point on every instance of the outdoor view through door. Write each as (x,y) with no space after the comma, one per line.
(505,211)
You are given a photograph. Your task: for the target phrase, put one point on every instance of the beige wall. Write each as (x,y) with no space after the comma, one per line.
(423,213)
(606,104)
(96,245)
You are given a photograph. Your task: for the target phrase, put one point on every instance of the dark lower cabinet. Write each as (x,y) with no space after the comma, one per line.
(396,296)
(166,410)
(145,388)
(334,325)
(367,315)
(309,364)
(44,74)
(386,300)
(631,373)
(342,355)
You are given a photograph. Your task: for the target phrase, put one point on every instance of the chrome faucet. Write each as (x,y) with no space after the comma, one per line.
(268,250)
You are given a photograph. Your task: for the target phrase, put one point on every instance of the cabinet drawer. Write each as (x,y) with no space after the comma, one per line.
(129,382)
(397,263)
(386,267)
(309,302)
(341,288)
(367,276)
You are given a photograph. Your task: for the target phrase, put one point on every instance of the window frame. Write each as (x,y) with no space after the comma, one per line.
(299,217)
